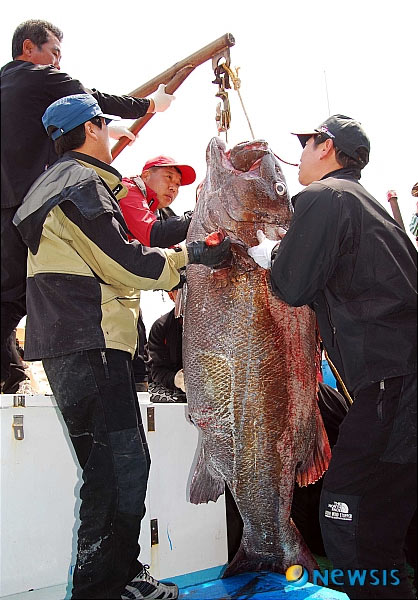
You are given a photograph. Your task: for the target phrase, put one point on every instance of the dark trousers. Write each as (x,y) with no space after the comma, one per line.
(13,285)
(139,361)
(95,392)
(369,492)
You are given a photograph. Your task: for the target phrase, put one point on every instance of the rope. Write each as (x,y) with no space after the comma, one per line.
(285,161)
(237,84)
(338,377)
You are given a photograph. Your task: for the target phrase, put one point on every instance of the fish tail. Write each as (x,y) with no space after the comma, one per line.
(244,562)
(317,463)
(204,486)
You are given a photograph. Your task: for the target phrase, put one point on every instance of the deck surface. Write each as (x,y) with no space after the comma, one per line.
(247,586)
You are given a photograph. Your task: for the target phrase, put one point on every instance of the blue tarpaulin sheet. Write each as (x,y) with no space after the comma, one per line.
(251,586)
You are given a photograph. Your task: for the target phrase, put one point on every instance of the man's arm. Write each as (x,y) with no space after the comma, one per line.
(100,239)
(59,84)
(308,253)
(103,246)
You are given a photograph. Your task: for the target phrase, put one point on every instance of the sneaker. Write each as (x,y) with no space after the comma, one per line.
(145,586)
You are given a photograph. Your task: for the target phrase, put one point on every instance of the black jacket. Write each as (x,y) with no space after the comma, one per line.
(26,92)
(165,349)
(347,258)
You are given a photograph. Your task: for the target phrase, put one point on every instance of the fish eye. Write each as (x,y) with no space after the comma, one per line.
(280,188)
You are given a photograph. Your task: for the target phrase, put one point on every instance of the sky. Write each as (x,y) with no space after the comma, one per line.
(300,61)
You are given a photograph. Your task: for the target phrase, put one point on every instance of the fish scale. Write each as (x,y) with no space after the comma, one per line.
(250,365)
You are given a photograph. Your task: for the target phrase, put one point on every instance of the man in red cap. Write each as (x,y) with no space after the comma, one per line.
(150,220)
(146,206)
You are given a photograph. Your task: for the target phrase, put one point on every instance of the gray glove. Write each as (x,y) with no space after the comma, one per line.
(211,256)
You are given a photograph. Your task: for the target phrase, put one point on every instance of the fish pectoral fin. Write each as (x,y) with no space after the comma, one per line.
(317,462)
(205,486)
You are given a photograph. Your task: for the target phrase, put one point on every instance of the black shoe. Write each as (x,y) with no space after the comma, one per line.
(145,586)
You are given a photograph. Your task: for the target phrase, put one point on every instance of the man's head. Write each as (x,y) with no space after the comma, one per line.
(164,176)
(38,42)
(338,142)
(77,123)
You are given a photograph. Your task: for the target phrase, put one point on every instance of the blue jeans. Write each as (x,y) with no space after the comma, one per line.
(95,393)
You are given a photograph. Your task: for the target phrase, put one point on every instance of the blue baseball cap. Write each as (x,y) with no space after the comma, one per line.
(67,113)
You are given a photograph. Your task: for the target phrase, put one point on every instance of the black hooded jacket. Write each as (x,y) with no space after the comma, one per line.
(348,258)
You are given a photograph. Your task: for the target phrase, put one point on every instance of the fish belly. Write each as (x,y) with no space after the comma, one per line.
(249,363)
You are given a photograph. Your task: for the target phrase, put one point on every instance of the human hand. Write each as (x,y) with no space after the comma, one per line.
(201,254)
(161,99)
(261,254)
(179,380)
(118,131)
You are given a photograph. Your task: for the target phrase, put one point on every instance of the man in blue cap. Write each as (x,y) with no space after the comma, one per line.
(83,284)
(347,258)
(29,83)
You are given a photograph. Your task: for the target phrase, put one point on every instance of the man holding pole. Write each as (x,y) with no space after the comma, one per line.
(29,83)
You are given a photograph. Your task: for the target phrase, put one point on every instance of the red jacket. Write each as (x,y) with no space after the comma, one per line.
(139,209)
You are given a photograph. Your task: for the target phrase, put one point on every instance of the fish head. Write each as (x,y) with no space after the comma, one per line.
(244,190)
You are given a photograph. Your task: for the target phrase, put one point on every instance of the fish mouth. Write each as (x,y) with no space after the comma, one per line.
(243,157)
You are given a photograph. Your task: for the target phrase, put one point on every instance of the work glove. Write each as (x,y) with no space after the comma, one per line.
(201,254)
(162,100)
(261,254)
(179,380)
(118,131)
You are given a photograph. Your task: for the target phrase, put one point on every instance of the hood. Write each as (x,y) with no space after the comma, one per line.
(67,179)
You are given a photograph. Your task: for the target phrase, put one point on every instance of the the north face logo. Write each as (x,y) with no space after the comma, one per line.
(338,510)
(339,507)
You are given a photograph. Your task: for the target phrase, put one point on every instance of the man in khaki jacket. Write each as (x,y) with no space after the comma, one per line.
(83,284)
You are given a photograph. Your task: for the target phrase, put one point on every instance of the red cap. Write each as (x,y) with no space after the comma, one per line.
(188,174)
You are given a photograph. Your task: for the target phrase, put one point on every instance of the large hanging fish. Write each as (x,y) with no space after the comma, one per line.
(250,364)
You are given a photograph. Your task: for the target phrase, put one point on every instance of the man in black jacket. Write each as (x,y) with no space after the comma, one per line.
(29,84)
(347,258)
(165,362)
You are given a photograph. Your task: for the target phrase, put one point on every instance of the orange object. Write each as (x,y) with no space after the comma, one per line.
(214,239)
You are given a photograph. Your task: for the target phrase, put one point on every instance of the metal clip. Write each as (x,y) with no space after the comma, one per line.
(225,54)
(154,532)
(223,110)
(223,113)
(19,401)
(18,427)
(151,418)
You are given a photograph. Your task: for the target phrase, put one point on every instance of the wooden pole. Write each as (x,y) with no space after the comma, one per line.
(173,78)
(194,60)
(393,201)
